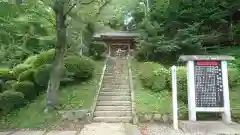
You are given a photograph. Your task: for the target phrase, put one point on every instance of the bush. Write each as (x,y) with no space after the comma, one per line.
(153,76)
(233,77)
(182,83)
(27,88)
(43,58)
(42,74)
(19,69)
(96,49)
(5,74)
(1,86)
(81,67)
(10,100)
(8,84)
(30,60)
(27,75)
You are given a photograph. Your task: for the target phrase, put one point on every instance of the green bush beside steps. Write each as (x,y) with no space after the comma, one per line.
(26,81)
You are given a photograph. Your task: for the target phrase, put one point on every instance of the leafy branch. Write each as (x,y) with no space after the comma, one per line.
(75,4)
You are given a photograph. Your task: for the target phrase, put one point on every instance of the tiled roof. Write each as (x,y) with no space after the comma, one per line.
(116,34)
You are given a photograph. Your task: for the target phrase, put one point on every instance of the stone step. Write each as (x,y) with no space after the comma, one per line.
(107,89)
(114,98)
(112,113)
(113,103)
(115,83)
(113,119)
(115,76)
(124,86)
(113,108)
(123,93)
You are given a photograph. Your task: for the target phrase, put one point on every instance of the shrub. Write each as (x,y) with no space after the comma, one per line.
(182,83)
(43,58)
(19,69)
(27,88)
(81,67)
(233,77)
(97,49)
(1,86)
(8,84)
(10,100)
(153,76)
(30,60)
(5,74)
(26,75)
(41,75)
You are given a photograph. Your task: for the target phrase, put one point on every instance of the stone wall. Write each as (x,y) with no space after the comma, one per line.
(157,117)
(82,115)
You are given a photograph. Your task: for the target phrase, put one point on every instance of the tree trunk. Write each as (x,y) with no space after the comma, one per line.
(57,66)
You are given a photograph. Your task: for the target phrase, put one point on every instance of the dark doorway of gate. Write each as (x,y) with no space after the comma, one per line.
(119,43)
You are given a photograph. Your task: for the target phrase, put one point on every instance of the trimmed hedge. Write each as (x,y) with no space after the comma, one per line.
(41,75)
(27,75)
(43,58)
(27,88)
(5,74)
(8,85)
(96,49)
(181,83)
(30,60)
(153,76)
(233,77)
(10,100)
(81,68)
(19,69)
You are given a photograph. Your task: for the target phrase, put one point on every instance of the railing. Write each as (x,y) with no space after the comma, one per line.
(135,120)
(99,86)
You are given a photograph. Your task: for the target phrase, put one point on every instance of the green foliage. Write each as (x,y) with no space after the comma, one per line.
(45,57)
(22,31)
(30,60)
(10,100)
(19,69)
(96,49)
(233,77)
(27,88)
(8,85)
(1,85)
(153,76)
(173,28)
(81,67)
(153,46)
(27,75)
(182,84)
(5,74)
(42,74)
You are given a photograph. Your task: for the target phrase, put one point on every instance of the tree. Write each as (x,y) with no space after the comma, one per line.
(61,12)
(183,26)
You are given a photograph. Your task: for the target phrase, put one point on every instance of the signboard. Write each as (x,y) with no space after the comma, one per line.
(207,80)
(208,84)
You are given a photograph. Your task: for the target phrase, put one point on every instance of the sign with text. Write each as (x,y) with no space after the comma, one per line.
(208,84)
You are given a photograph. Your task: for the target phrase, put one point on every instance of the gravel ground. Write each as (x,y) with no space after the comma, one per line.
(161,129)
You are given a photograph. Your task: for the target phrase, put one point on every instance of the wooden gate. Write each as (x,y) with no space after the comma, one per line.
(119,50)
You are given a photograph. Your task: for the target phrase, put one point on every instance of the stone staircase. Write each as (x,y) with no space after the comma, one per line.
(114,100)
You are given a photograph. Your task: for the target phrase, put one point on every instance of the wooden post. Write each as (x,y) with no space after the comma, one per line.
(226,116)
(174,98)
(191,91)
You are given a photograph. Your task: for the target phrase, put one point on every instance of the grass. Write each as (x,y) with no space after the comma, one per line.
(70,97)
(148,101)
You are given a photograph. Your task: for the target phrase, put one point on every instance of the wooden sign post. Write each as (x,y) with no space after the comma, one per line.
(207,79)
